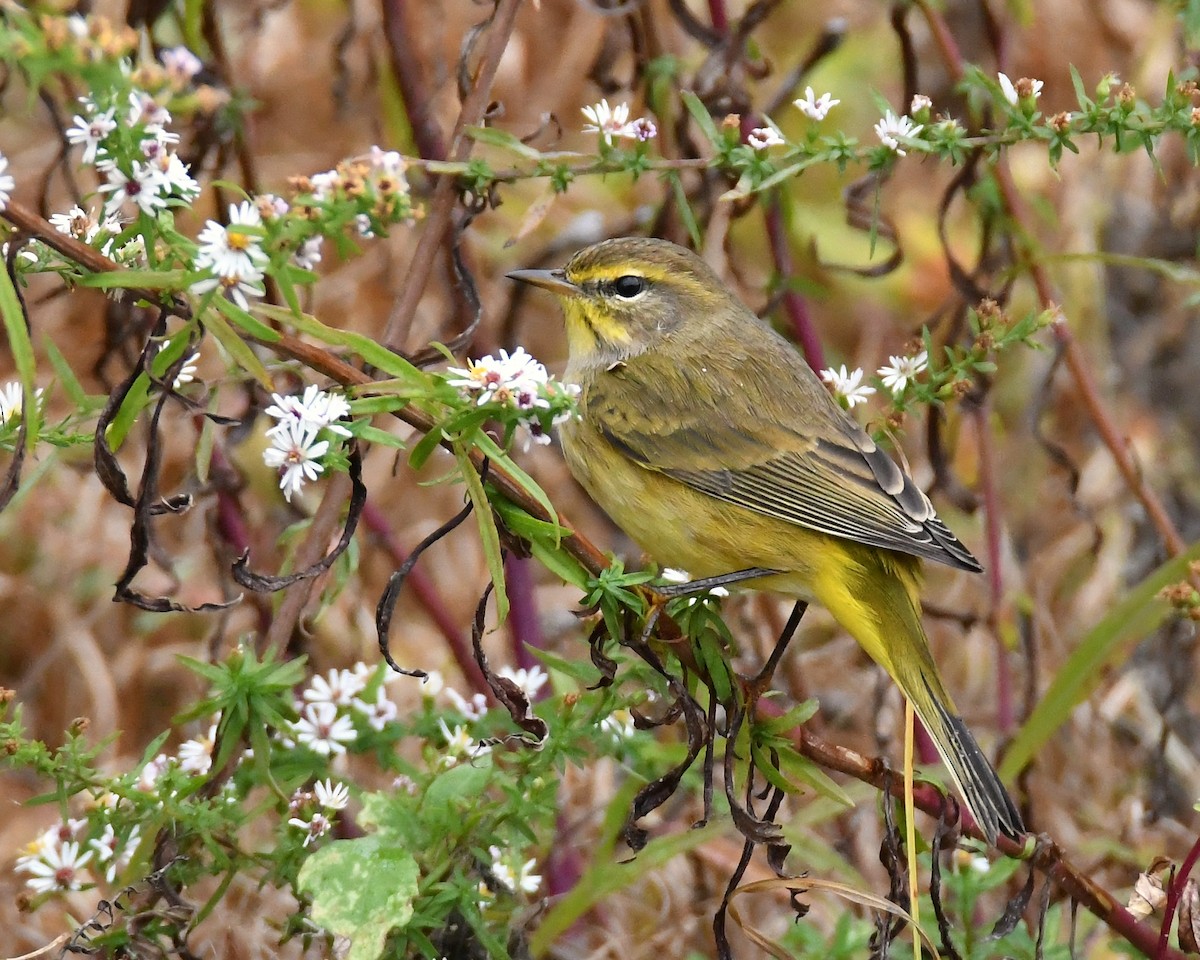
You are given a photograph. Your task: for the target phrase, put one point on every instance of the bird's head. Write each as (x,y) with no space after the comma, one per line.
(621,297)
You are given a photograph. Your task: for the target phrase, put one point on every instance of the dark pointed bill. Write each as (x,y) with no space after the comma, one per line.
(554,280)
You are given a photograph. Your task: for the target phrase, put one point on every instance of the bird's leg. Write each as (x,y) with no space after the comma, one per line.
(707,583)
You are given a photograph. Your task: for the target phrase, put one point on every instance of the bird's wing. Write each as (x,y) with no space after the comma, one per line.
(816,468)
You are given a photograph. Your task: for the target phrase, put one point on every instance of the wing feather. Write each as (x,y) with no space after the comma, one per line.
(833,478)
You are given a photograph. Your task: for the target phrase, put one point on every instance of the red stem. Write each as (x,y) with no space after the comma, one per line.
(794,305)
(1174,893)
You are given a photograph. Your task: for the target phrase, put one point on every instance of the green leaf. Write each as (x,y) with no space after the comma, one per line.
(489,446)
(235,346)
(685,209)
(502,138)
(361,889)
(701,115)
(373,353)
(135,280)
(799,768)
(1129,621)
(488,534)
(66,376)
(364,431)
(22,351)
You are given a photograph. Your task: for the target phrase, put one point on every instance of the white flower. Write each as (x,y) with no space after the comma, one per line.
(107,845)
(847,385)
(387,161)
(459,743)
(231,251)
(309,254)
(1022,89)
(56,868)
(892,128)
(332,796)
(380,713)
(608,121)
(12,401)
(82,224)
(920,102)
(340,689)
(432,684)
(296,452)
(318,826)
(1007,88)
(149,775)
(902,369)
(471,709)
(619,725)
(525,880)
(321,729)
(7,183)
(530,681)
(515,379)
(90,131)
(174,176)
(362,223)
(187,373)
(641,129)
(238,288)
(814,107)
(141,186)
(762,137)
(323,183)
(316,410)
(195,756)
(144,109)
(181,64)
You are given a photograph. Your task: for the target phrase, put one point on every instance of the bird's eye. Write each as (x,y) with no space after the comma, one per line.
(628,287)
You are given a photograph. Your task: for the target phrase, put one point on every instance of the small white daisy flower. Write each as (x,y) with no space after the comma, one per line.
(920,102)
(762,137)
(892,129)
(847,385)
(195,756)
(607,121)
(530,681)
(379,713)
(91,131)
(331,795)
(902,369)
(295,452)
(317,827)
(57,868)
(340,688)
(231,251)
(814,107)
(322,730)
(181,64)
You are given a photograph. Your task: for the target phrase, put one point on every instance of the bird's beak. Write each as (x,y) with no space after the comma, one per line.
(553,280)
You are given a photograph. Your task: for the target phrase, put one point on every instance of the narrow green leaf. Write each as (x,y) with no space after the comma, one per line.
(1129,621)
(701,115)
(364,431)
(685,209)
(489,447)
(22,351)
(134,280)
(373,353)
(488,534)
(502,138)
(235,346)
(247,321)
(66,376)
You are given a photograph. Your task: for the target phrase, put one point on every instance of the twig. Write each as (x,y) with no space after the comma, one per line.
(1005,714)
(441,207)
(406,66)
(793,303)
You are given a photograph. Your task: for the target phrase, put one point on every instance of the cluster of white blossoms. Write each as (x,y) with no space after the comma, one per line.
(77,852)
(848,384)
(302,435)
(231,255)
(149,181)
(328,705)
(518,382)
(613,122)
(314,811)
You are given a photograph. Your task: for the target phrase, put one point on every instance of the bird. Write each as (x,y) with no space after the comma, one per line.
(707,438)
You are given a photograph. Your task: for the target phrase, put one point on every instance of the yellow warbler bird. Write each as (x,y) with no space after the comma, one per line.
(708,439)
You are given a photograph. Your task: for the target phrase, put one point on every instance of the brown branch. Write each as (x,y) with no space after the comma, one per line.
(445,194)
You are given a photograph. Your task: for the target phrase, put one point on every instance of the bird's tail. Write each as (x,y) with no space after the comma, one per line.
(883,616)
